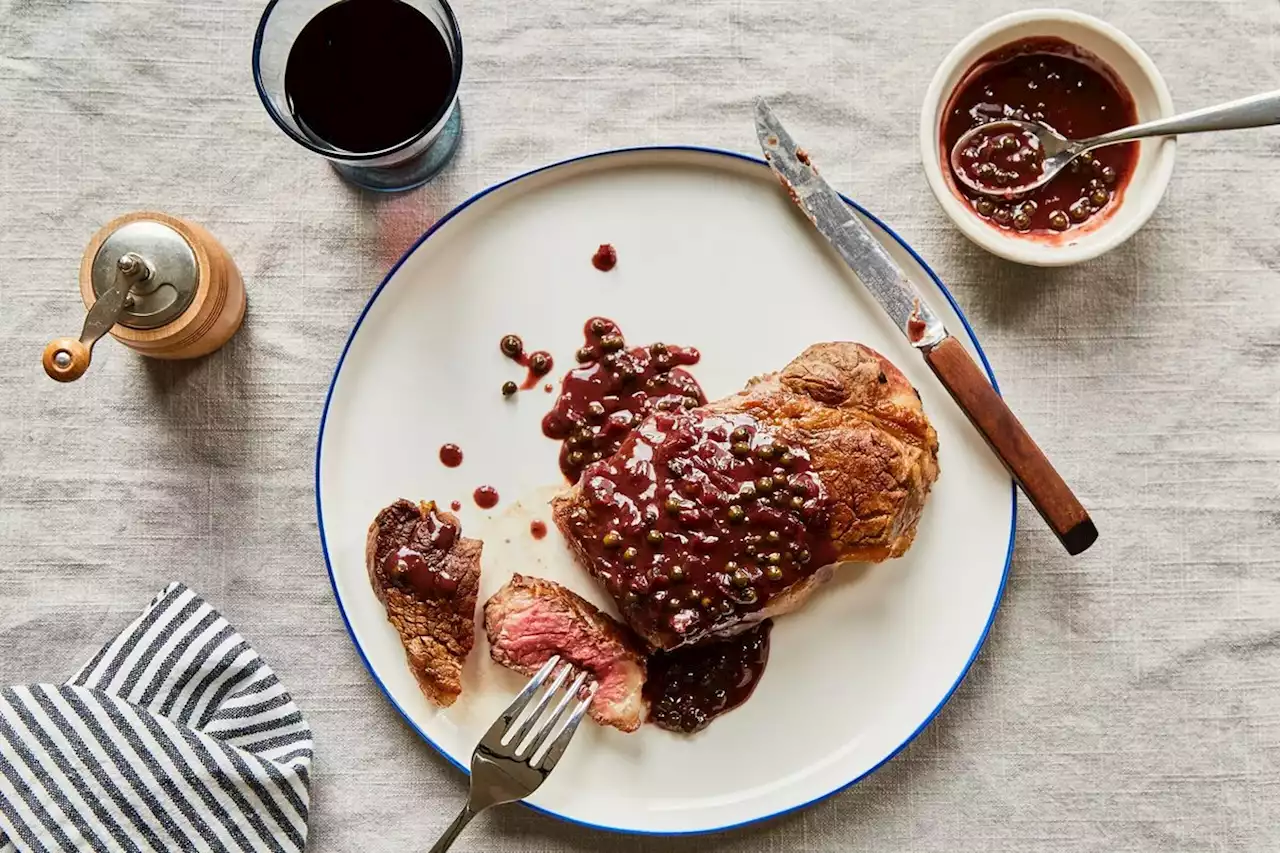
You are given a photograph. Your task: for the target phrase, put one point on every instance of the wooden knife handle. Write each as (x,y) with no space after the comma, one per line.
(1047,491)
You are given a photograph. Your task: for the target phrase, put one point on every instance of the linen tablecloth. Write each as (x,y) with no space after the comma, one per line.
(1127,700)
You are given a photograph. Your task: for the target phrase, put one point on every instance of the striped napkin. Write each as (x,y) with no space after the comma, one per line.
(175,737)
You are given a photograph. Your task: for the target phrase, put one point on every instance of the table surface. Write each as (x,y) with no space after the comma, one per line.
(1126,700)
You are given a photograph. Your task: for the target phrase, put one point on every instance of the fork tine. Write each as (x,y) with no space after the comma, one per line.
(548,760)
(493,736)
(532,719)
(545,731)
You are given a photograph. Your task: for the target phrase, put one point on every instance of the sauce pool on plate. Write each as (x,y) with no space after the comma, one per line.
(1052,81)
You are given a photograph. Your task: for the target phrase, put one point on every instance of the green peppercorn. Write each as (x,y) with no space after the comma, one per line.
(1108,175)
(658,348)
(767,451)
(774,559)
(612,539)
(676,573)
(629,555)
(511,346)
(690,402)
(748,491)
(509,388)
(585,354)
(748,596)
(774,573)
(612,343)
(740,448)
(802,556)
(576,458)
(655,537)
(1099,196)
(765,484)
(1059,221)
(595,410)
(740,434)
(674,504)
(773,536)
(787,459)
(706,602)
(984,206)
(797,502)
(737,514)
(674,603)
(599,326)
(740,578)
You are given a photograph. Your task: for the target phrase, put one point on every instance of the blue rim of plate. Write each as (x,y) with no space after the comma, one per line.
(324,545)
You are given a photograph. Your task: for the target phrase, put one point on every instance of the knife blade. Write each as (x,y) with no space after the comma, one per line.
(924,330)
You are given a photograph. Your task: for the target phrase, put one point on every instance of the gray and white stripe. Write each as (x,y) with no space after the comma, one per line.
(176,736)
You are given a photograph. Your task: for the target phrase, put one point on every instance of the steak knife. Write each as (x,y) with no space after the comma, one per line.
(909,311)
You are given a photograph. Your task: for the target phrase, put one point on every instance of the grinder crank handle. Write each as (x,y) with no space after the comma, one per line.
(66,359)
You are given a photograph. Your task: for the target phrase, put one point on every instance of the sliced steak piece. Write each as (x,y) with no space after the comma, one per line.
(709,520)
(427,576)
(531,619)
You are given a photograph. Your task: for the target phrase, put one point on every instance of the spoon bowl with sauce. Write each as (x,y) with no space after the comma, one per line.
(1009,157)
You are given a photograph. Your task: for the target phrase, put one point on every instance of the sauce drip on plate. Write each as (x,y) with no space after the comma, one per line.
(605,258)
(538,362)
(612,389)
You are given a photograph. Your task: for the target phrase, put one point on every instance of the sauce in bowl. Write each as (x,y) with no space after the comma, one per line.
(1052,81)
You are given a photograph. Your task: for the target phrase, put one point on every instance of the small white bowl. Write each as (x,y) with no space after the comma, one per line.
(1151,173)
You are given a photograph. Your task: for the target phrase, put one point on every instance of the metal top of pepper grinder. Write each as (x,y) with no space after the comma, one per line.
(173,274)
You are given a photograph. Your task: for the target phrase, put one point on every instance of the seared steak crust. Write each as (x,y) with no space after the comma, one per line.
(870,441)
(436,622)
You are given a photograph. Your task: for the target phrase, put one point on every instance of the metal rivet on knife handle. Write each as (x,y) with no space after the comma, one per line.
(1041,483)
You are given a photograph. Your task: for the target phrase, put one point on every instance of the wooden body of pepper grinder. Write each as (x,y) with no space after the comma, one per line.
(160,285)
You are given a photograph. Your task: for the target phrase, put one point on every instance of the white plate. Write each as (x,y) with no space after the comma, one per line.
(710,254)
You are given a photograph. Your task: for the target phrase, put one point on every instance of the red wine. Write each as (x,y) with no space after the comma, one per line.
(366,75)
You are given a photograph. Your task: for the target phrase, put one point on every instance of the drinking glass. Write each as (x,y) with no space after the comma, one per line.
(403,166)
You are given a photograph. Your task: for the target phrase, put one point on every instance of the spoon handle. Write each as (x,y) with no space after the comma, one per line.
(1254,111)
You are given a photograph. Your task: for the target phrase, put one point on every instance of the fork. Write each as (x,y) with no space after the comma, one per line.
(511,762)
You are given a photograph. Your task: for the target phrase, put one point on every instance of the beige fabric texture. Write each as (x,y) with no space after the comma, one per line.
(1128,700)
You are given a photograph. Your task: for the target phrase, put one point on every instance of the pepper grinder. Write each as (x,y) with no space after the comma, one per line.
(160,285)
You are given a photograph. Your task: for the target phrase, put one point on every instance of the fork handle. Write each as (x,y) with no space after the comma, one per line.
(455,829)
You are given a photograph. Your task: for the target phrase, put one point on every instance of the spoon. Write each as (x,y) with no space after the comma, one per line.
(1034,153)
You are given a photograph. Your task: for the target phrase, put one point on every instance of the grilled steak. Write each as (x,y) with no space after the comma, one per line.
(531,619)
(427,575)
(706,521)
